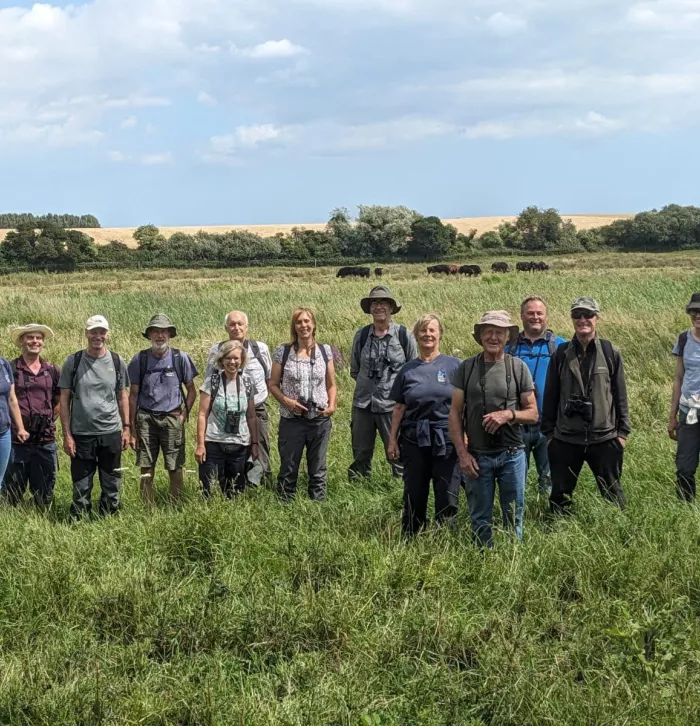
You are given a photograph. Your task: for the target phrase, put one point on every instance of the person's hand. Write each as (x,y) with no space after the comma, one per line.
(327,411)
(126,439)
(182,417)
(469,465)
(200,454)
(254,452)
(673,428)
(69,445)
(623,442)
(295,407)
(494,420)
(133,442)
(392,451)
(23,434)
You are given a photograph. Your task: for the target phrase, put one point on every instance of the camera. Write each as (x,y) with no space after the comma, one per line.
(310,407)
(579,406)
(233,422)
(38,423)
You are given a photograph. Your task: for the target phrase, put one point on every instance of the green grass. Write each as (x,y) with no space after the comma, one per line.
(255,613)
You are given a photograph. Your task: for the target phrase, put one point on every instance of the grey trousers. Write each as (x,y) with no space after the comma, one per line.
(364,426)
(104,455)
(263,439)
(687,457)
(295,434)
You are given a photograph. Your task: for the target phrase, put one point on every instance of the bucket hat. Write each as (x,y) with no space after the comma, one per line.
(499,319)
(160,320)
(17,333)
(694,303)
(379,292)
(586,303)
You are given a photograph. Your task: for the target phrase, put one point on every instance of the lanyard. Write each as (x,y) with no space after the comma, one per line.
(238,393)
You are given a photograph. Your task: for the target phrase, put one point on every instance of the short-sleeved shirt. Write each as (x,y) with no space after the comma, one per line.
(301,380)
(495,395)
(6,383)
(229,398)
(95,410)
(253,367)
(425,388)
(691,367)
(36,394)
(160,390)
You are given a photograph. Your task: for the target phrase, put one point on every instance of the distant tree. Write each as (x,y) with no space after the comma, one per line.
(114,251)
(511,235)
(490,240)
(13,220)
(544,230)
(18,247)
(345,236)
(591,240)
(385,230)
(149,238)
(430,238)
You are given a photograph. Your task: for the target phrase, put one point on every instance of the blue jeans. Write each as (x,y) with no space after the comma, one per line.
(508,468)
(536,442)
(5,452)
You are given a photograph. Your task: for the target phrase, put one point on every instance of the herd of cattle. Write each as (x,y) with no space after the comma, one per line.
(469,270)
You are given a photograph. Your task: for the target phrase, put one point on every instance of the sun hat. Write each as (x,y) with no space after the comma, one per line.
(379,292)
(160,320)
(97,321)
(585,303)
(499,319)
(21,330)
(694,303)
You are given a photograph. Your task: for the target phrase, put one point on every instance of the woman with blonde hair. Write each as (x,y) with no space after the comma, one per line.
(419,434)
(227,427)
(303,381)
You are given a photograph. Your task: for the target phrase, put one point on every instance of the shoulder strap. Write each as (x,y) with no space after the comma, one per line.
(179,366)
(15,372)
(77,357)
(561,355)
(467,378)
(285,358)
(551,343)
(256,354)
(609,354)
(116,362)
(214,388)
(516,378)
(143,366)
(403,339)
(682,341)
(324,354)
(364,334)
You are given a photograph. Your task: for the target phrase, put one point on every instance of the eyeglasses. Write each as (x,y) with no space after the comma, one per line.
(694,313)
(578,314)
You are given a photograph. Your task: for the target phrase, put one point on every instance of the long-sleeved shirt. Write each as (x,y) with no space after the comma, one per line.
(374,368)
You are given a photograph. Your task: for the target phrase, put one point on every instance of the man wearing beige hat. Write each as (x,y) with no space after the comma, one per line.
(34,461)
(378,352)
(585,416)
(162,394)
(493,395)
(95,418)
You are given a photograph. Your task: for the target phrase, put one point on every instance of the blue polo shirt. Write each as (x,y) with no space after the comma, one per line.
(536,356)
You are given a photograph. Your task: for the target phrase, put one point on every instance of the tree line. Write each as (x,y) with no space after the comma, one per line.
(13,220)
(379,233)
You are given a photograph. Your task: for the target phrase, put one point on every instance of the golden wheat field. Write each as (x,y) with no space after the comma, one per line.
(105,235)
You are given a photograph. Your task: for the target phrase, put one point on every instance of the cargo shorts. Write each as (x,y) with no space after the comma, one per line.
(156,432)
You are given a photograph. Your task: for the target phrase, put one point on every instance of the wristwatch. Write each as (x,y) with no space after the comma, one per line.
(512,410)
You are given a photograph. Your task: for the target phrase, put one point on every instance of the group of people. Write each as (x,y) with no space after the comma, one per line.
(443,421)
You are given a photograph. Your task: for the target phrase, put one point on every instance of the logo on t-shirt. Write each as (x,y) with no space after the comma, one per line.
(442,377)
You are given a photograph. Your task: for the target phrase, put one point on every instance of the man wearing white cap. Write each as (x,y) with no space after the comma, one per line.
(95,418)
(34,461)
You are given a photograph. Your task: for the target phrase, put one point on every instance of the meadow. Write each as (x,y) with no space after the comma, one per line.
(250,612)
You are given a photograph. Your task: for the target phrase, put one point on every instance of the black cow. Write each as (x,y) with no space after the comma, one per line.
(378,271)
(443,269)
(525,266)
(470,270)
(500,267)
(353,272)
(541,266)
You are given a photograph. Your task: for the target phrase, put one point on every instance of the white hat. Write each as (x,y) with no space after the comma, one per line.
(97,321)
(17,333)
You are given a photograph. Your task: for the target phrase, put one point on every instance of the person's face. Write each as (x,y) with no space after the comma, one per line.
(236,327)
(304,326)
(695,319)
(97,337)
(232,362)
(534,317)
(429,336)
(493,339)
(380,309)
(584,321)
(33,343)
(159,338)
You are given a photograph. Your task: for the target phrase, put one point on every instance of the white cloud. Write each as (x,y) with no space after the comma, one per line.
(666,15)
(273,49)
(156,159)
(116,157)
(591,124)
(129,123)
(504,24)
(206,98)
(244,137)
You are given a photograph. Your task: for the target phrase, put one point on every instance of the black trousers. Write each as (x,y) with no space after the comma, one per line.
(687,457)
(419,468)
(96,453)
(224,463)
(296,434)
(566,461)
(33,464)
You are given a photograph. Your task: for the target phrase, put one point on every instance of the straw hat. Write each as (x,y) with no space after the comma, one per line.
(17,333)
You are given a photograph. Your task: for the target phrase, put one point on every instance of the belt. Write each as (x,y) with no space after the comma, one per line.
(162,414)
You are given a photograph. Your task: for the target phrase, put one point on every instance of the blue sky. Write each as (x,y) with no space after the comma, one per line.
(268,111)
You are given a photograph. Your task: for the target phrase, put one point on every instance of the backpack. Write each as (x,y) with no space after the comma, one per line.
(606,345)
(287,351)
(256,354)
(682,341)
(550,339)
(403,338)
(178,365)
(117,372)
(469,375)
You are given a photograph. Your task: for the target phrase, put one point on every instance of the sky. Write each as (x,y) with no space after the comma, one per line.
(203,112)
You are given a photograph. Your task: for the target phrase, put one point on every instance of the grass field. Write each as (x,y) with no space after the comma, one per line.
(104,235)
(252,613)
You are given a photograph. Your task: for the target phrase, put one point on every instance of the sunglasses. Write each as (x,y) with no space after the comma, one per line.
(578,314)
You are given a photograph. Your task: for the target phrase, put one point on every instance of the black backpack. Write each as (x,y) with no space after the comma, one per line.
(117,372)
(256,354)
(178,366)
(403,338)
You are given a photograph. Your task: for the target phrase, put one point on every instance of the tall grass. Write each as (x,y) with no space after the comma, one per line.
(250,612)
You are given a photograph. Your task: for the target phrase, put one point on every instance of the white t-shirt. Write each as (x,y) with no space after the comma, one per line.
(252,367)
(234,403)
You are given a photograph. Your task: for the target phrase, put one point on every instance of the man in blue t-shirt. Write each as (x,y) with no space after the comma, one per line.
(535,346)
(158,405)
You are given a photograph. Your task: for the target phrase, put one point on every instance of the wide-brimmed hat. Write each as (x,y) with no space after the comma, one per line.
(694,303)
(379,292)
(499,319)
(17,333)
(160,320)
(586,303)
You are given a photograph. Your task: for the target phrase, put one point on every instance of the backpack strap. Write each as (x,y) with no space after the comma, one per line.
(214,385)
(285,358)
(256,354)
(179,366)
(116,362)
(551,343)
(516,378)
(77,357)
(403,339)
(682,342)
(467,378)
(364,334)
(324,354)
(609,354)
(143,366)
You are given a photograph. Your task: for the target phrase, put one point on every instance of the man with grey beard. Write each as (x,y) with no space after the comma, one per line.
(159,406)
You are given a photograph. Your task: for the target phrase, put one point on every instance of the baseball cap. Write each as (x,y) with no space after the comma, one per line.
(97,321)
(585,303)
